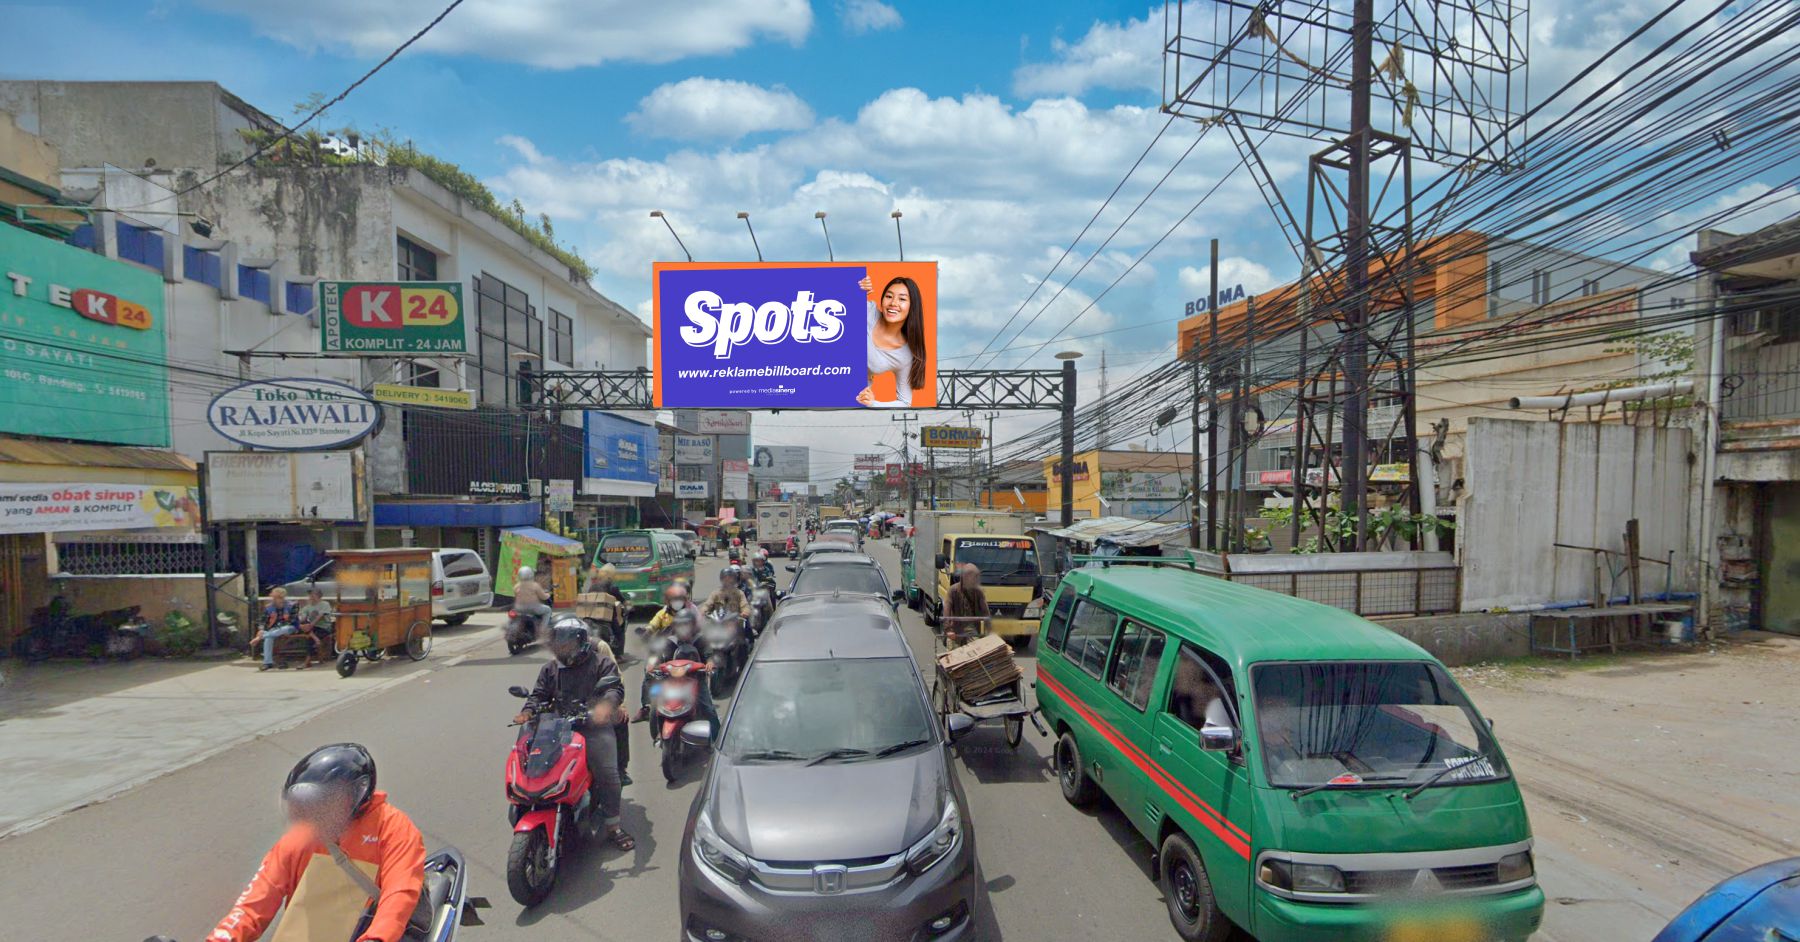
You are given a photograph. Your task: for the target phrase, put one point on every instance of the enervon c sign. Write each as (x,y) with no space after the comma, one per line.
(294,414)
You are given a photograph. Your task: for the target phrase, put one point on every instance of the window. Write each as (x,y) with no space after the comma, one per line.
(1090,634)
(1136,657)
(421,373)
(1494,278)
(508,326)
(818,580)
(457,565)
(299,298)
(862,704)
(415,262)
(1589,287)
(253,283)
(562,338)
(1201,689)
(141,245)
(202,266)
(1540,287)
(1059,619)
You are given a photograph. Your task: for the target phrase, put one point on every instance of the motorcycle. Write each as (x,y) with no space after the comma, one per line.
(548,786)
(676,727)
(762,605)
(723,634)
(521,630)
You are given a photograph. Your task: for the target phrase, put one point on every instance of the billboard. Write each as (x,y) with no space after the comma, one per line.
(871,462)
(295,414)
(620,452)
(734,480)
(783,462)
(723,422)
(54,508)
(795,335)
(949,436)
(693,449)
(83,345)
(248,486)
(390,318)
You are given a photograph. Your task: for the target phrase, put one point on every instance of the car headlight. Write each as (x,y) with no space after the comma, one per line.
(723,858)
(1515,867)
(943,840)
(1300,877)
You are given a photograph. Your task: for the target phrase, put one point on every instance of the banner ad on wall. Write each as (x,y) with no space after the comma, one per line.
(801,335)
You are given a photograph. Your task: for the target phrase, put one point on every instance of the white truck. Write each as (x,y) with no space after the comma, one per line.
(776,520)
(996,543)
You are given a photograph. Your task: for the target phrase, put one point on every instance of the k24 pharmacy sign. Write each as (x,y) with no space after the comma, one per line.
(294,414)
(56,508)
(804,335)
(391,318)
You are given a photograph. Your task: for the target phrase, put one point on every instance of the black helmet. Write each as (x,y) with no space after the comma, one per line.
(569,639)
(344,765)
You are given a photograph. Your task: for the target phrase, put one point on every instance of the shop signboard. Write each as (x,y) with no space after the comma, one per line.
(1142,485)
(83,345)
(294,414)
(1397,473)
(792,462)
(620,450)
(692,490)
(870,462)
(893,474)
(463,399)
(250,486)
(693,449)
(949,436)
(54,508)
(723,422)
(795,335)
(391,318)
(560,498)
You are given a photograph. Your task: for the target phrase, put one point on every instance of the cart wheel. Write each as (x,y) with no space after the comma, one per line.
(1015,731)
(347,664)
(418,640)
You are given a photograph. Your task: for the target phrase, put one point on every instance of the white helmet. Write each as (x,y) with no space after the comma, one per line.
(526,572)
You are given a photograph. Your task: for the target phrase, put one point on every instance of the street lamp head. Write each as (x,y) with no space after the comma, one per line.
(819,215)
(895,214)
(743,215)
(1069,355)
(656,214)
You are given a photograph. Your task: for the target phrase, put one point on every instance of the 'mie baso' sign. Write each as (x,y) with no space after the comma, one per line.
(388,318)
(841,335)
(295,414)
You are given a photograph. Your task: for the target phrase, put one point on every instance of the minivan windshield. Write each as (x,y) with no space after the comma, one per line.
(626,550)
(1368,723)
(1002,561)
(841,709)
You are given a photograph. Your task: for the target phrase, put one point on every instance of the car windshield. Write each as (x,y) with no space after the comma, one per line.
(1386,723)
(818,548)
(840,578)
(625,550)
(809,709)
(1001,561)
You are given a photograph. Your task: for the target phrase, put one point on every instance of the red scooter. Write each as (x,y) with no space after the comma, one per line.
(676,726)
(548,784)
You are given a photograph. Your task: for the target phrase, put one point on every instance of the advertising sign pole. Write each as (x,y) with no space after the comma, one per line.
(206,565)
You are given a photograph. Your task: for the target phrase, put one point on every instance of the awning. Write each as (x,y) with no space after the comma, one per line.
(37,462)
(457,514)
(544,541)
(1125,531)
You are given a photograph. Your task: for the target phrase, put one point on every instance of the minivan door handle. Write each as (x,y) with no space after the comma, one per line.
(1163,748)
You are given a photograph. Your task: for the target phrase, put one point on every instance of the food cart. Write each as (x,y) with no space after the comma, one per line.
(556,559)
(383,605)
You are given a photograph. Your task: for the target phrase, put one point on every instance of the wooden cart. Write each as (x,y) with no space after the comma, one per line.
(383,605)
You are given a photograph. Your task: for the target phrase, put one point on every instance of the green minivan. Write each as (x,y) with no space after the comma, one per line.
(648,561)
(1305,774)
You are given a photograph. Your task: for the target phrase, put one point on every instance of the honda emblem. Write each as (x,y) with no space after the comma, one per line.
(829,879)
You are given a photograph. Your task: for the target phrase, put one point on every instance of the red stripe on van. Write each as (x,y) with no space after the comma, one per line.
(1230,834)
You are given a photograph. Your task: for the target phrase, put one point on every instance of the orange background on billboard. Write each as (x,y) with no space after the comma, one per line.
(924,273)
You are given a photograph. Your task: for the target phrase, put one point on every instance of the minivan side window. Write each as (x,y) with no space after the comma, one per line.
(457,565)
(1136,657)
(1090,634)
(1059,619)
(1198,692)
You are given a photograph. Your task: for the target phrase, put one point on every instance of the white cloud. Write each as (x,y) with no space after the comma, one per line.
(868,16)
(553,34)
(1111,55)
(717,109)
(1233,270)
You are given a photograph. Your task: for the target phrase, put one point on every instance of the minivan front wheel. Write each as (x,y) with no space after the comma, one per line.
(1192,909)
(1077,788)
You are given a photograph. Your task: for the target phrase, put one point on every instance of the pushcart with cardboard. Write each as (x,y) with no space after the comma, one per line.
(980,680)
(383,605)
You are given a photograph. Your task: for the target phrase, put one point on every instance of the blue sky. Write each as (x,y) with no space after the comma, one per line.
(996,127)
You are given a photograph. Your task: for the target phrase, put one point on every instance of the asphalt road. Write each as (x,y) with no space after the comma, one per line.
(170,856)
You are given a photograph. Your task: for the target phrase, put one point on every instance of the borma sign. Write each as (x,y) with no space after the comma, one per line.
(795,335)
(294,414)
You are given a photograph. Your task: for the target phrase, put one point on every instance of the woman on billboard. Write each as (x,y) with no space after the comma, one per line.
(896,342)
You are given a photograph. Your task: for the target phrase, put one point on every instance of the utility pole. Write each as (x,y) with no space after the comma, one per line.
(1356,264)
(1068,440)
(1212,309)
(1212,404)
(906,475)
(990,462)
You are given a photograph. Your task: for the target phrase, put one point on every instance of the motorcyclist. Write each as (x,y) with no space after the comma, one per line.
(341,830)
(529,597)
(760,568)
(606,580)
(583,679)
(684,632)
(729,597)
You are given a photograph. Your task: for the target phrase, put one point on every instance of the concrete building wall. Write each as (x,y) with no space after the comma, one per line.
(187,125)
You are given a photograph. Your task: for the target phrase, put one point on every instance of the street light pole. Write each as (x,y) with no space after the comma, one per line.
(897,238)
(658,214)
(820,216)
(746,218)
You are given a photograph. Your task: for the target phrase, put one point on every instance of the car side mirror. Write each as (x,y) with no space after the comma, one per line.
(790,567)
(898,597)
(1215,737)
(957,725)
(518,691)
(943,562)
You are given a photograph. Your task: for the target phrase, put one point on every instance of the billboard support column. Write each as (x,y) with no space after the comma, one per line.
(1068,441)
(206,565)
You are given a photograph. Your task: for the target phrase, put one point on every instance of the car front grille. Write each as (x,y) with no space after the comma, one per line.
(1402,882)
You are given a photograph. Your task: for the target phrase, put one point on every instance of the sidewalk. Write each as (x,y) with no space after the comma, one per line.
(72,734)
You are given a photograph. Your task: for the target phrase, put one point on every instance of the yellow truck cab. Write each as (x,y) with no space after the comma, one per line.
(1304,774)
(997,545)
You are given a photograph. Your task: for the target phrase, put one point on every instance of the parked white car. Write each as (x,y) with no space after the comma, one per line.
(460,585)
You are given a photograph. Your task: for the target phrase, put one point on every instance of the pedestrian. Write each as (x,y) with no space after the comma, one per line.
(338,823)
(965,600)
(316,621)
(278,621)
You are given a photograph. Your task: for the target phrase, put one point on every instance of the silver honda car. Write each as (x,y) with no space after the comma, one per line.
(831,809)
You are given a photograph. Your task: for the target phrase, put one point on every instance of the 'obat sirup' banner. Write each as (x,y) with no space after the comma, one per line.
(799,335)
